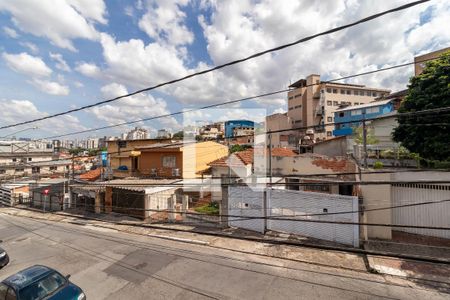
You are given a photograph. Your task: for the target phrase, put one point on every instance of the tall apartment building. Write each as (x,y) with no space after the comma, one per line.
(137,134)
(312,102)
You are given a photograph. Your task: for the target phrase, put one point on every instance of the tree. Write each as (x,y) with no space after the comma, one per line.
(237,148)
(178,135)
(427,134)
(359,138)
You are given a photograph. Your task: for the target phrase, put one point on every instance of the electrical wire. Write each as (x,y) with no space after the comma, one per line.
(302,40)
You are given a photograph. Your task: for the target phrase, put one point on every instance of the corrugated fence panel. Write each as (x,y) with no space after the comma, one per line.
(436,215)
(245,202)
(286,203)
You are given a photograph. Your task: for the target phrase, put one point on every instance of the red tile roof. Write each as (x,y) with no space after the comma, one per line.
(91,175)
(244,157)
(283,152)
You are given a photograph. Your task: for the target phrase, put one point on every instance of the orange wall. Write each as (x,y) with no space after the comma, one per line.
(150,160)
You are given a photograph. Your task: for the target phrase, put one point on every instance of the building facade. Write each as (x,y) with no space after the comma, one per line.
(233,126)
(420,61)
(312,102)
(352,116)
(137,134)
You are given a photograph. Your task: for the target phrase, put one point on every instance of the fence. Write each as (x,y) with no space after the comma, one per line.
(245,202)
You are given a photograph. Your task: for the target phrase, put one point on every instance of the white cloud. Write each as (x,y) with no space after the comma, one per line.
(60,62)
(88,69)
(131,108)
(134,63)
(27,64)
(32,47)
(78,84)
(164,22)
(60,21)
(50,87)
(129,11)
(10,32)
(12,110)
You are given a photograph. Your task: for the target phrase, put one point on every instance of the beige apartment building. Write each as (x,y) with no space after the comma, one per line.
(419,61)
(312,102)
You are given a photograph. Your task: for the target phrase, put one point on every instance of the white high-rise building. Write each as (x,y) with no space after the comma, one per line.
(137,134)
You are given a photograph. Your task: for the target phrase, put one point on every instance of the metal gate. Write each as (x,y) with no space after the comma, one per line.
(245,202)
(436,215)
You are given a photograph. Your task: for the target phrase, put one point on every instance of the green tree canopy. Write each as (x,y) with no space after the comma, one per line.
(427,134)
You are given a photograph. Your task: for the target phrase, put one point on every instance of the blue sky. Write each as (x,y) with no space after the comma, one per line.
(60,54)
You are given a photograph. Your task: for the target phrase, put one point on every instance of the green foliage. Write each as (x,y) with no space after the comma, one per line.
(237,148)
(378,165)
(358,136)
(429,90)
(178,135)
(76,151)
(209,209)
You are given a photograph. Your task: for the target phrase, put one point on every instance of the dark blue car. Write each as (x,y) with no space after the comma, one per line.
(39,282)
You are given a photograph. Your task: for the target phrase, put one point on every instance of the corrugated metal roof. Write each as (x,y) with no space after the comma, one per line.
(371,104)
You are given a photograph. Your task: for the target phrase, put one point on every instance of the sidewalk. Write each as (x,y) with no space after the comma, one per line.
(407,272)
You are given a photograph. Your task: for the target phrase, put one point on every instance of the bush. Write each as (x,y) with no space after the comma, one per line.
(378,165)
(209,209)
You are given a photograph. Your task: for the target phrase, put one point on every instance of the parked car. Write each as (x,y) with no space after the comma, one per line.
(4,258)
(40,282)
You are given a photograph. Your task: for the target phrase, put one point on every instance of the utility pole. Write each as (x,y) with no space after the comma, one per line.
(365,140)
(270,159)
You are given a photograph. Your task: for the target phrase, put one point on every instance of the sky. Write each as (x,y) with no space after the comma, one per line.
(61,54)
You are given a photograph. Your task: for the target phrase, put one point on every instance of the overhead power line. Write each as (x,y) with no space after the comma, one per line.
(278,48)
(230,102)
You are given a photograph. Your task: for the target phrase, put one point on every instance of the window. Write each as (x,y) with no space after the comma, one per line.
(291,108)
(330,119)
(297,106)
(298,121)
(341,114)
(290,98)
(356,112)
(356,103)
(53,168)
(343,102)
(299,95)
(334,91)
(14,159)
(35,170)
(368,93)
(44,287)
(374,94)
(343,92)
(2,171)
(373,110)
(335,103)
(356,93)
(349,92)
(169,161)
(328,133)
(30,159)
(329,103)
(19,169)
(328,90)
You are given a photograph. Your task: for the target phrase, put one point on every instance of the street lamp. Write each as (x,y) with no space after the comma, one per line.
(22,130)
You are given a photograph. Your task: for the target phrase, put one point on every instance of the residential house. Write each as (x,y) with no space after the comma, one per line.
(122,157)
(350,117)
(177,160)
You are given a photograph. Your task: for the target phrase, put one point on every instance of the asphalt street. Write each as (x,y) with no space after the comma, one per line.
(108,264)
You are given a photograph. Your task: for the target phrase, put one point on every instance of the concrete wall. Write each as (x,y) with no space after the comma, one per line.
(332,147)
(310,164)
(376,196)
(154,160)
